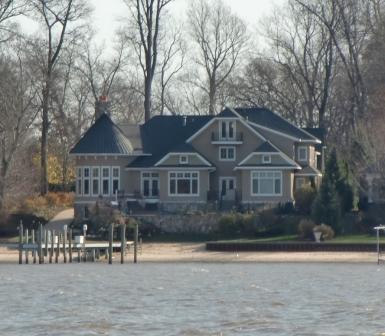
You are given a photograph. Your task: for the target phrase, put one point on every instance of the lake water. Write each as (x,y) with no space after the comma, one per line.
(192,299)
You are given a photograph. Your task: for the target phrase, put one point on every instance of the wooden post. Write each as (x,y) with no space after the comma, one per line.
(33,249)
(64,245)
(106,256)
(70,244)
(57,249)
(136,243)
(110,240)
(26,250)
(79,255)
(97,254)
(52,246)
(93,255)
(123,242)
(21,242)
(378,246)
(46,243)
(41,256)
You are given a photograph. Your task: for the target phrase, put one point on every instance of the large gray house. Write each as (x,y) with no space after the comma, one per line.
(242,156)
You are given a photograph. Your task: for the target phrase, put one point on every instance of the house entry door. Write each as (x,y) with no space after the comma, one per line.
(227,188)
(150,184)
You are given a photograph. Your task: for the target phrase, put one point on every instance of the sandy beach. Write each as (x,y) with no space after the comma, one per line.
(196,252)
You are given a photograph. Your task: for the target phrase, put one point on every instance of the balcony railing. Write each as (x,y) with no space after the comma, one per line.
(237,139)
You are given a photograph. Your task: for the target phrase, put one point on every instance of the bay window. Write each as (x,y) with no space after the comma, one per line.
(115,179)
(95,181)
(106,181)
(183,183)
(79,181)
(266,183)
(86,181)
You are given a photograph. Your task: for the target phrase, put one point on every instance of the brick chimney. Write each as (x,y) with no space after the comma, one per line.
(102,106)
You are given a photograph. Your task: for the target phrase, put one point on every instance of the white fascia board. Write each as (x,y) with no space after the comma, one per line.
(243,122)
(307,174)
(266,168)
(201,130)
(164,158)
(188,168)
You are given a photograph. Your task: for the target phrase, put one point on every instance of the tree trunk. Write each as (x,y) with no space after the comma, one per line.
(147,99)
(212,96)
(44,149)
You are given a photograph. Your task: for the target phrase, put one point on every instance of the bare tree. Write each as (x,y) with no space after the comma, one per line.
(220,36)
(56,16)
(10,9)
(17,111)
(172,58)
(143,34)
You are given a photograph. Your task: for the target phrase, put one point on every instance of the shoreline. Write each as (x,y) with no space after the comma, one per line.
(196,252)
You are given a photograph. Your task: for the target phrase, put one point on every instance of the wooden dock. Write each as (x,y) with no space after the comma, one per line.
(50,244)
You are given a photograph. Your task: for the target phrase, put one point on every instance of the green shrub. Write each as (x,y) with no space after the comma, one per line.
(304,198)
(305,229)
(228,225)
(326,230)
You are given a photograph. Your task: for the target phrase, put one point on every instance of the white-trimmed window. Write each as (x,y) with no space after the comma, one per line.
(266,183)
(183,183)
(266,158)
(86,181)
(115,179)
(183,159)
(227,153)
(302,153)
(106,181)
(227,129)
(79,175)
(95,181)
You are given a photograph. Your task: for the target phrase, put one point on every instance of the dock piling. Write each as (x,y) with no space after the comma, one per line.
(57,249)
(26,250)
(64,245)
(46,243)
(52,246)
(33,249)
(110,240)
(136,243)
(40,244)
(123,242)
(70,245)
(21,242)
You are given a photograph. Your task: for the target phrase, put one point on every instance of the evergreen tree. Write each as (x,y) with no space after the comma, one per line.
(326,207)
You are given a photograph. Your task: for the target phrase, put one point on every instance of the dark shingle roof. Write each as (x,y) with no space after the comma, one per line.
(162,134)
(266,118)
(266,147)
(309,171)
(103,137)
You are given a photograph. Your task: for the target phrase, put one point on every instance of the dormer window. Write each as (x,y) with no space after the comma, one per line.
(183,159)
(227,129)
(302,153)
(266,159)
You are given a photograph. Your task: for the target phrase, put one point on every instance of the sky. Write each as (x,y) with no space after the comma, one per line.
(107,13)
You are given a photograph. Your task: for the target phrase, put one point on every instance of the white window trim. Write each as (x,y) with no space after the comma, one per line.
(94,179)
(89,181)
(102,179)
(114,178)
(79,178)
(264,195)
(227,148)
(299,151)
(227,123)
(176,185)
(264,156)
(150,178)
(183,159)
